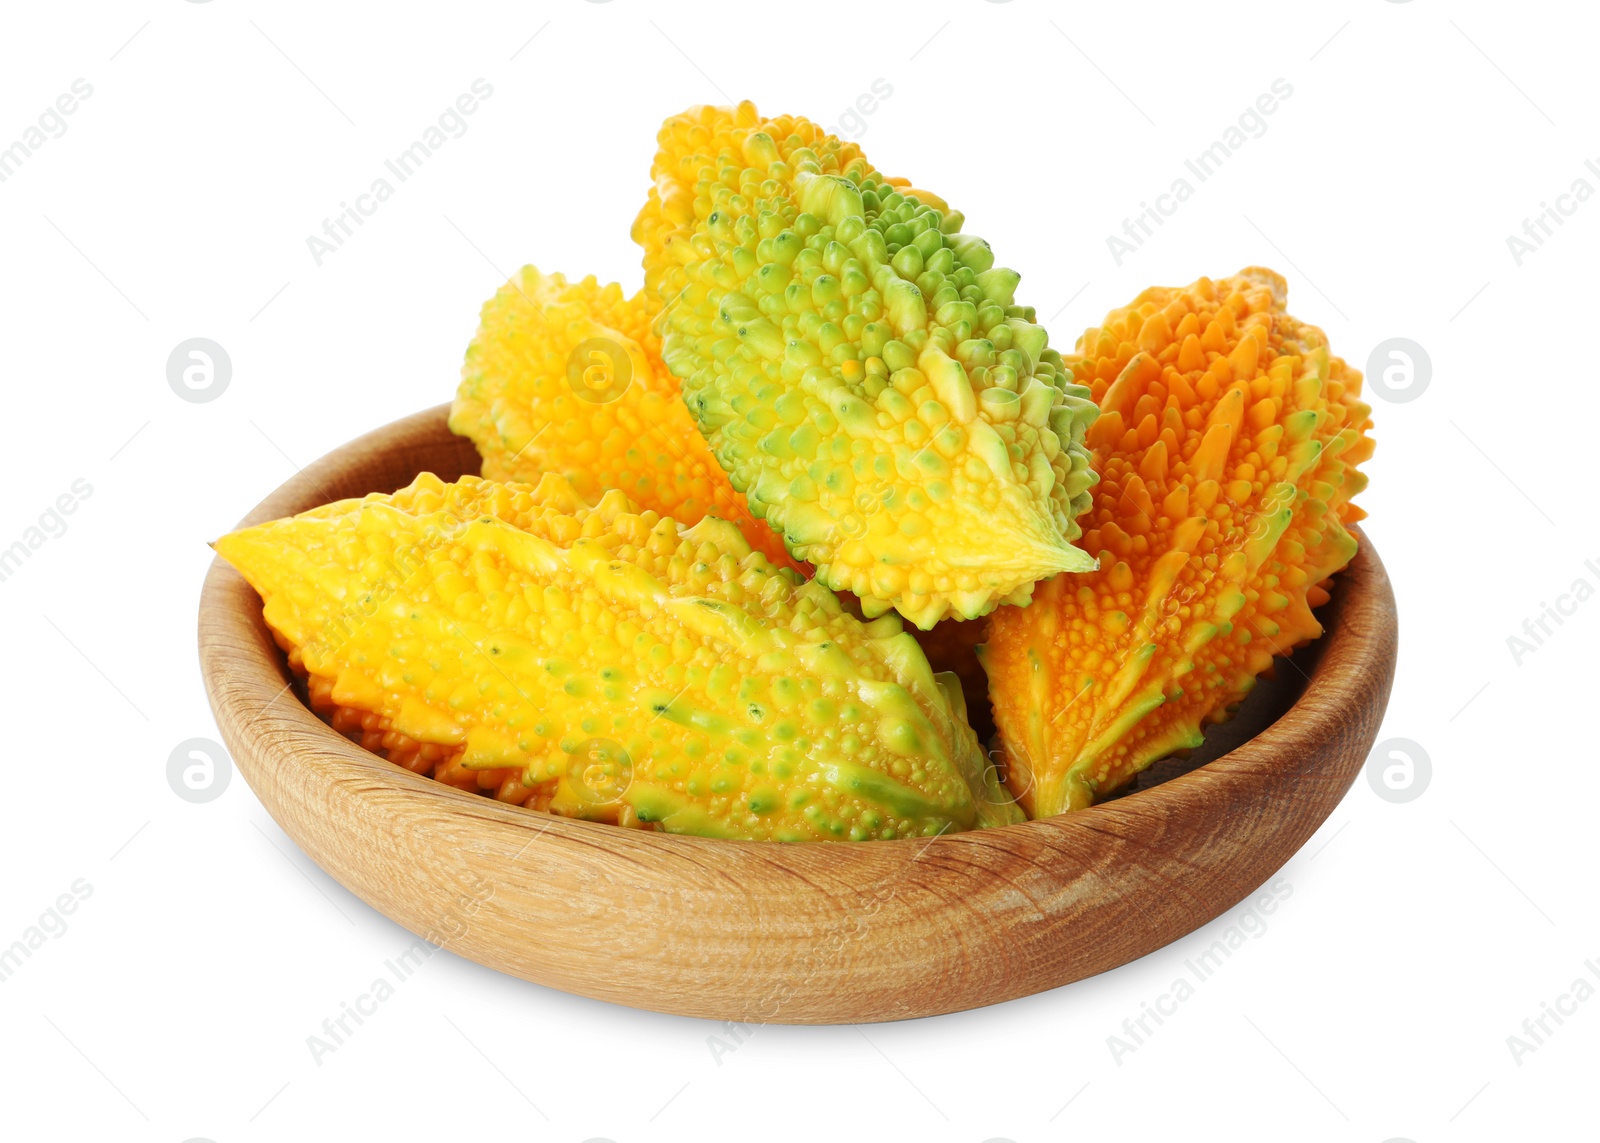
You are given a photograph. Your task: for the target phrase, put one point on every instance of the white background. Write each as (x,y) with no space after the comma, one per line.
(177,204)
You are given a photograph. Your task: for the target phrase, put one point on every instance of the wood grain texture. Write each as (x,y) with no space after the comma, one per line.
(817,932)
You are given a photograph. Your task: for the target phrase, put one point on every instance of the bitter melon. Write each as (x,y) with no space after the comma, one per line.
(1227,448)
(861,367)
(613,660)
(567,377)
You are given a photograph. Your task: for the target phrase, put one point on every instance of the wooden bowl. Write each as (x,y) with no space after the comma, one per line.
(818,932)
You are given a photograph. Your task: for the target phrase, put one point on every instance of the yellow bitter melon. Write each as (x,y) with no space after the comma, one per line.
(567,377)
(619,660)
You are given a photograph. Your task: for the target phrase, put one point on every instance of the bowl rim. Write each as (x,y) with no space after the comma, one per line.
(1314,749)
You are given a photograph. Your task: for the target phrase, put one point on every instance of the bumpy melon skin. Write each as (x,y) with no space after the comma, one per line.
(1227,448)
(600,661)
(323,573)
(567,377)
(861,368)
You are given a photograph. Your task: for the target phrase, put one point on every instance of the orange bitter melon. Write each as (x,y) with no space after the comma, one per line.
(1227,448)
